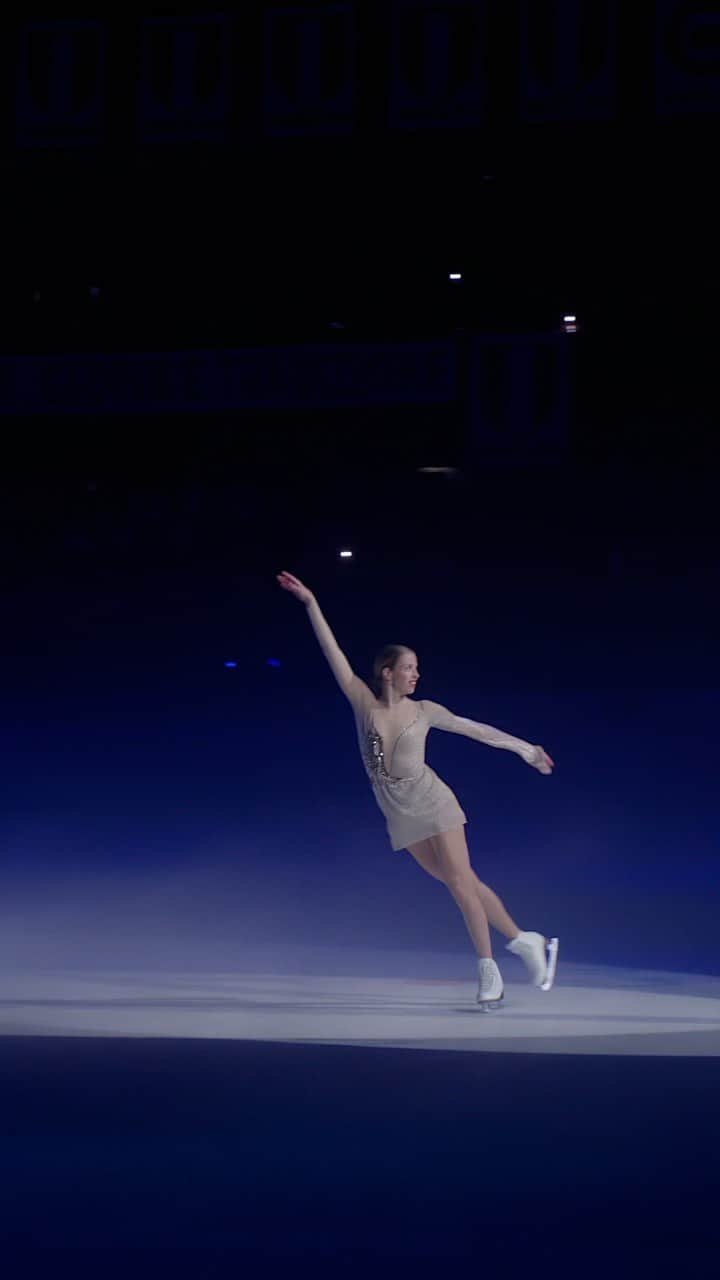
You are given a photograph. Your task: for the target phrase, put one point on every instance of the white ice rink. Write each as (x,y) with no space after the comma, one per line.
(591,1009)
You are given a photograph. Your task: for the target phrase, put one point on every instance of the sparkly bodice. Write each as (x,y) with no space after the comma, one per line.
(407,755)
(374,754)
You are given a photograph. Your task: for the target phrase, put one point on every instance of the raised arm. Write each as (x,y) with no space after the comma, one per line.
(352,686)
(531,753)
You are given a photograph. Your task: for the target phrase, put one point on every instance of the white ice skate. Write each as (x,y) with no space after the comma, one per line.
(490,986)
(540,956)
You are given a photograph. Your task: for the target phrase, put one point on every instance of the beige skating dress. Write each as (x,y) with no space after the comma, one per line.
(415,801)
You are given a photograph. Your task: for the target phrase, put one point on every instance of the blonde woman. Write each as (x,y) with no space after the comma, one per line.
(421,812)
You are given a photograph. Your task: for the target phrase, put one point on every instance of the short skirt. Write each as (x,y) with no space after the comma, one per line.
(416,808)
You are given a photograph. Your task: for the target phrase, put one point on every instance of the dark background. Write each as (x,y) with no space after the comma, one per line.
(283,191)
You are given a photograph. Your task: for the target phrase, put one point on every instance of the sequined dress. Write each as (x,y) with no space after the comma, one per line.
(416,803)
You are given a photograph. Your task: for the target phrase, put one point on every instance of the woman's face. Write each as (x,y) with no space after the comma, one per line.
(405,674)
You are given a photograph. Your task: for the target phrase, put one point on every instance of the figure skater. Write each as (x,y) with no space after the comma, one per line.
(421,812)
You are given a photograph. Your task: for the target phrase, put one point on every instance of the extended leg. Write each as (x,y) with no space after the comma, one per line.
(495,911)
(432,861)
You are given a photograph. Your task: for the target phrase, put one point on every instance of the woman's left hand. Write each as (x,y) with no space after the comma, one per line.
(544,763)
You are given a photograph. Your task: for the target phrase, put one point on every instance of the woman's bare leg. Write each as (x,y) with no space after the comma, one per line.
(454,866)
(425,853)
(495,910)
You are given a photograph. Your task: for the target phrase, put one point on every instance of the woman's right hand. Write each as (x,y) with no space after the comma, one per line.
(294,585)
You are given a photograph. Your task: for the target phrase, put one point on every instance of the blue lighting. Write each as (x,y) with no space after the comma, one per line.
(231,664)
(274,662)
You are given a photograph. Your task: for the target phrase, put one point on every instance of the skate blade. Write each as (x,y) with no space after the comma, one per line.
(553,948)
(487,1006)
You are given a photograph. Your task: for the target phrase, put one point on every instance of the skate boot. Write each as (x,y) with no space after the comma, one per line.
(490,986)
(540,956)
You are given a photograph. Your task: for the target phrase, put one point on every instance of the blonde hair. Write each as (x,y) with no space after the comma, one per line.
(387,657)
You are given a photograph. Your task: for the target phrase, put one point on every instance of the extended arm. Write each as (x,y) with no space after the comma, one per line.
(352,686)
(441,718)
(339,664)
